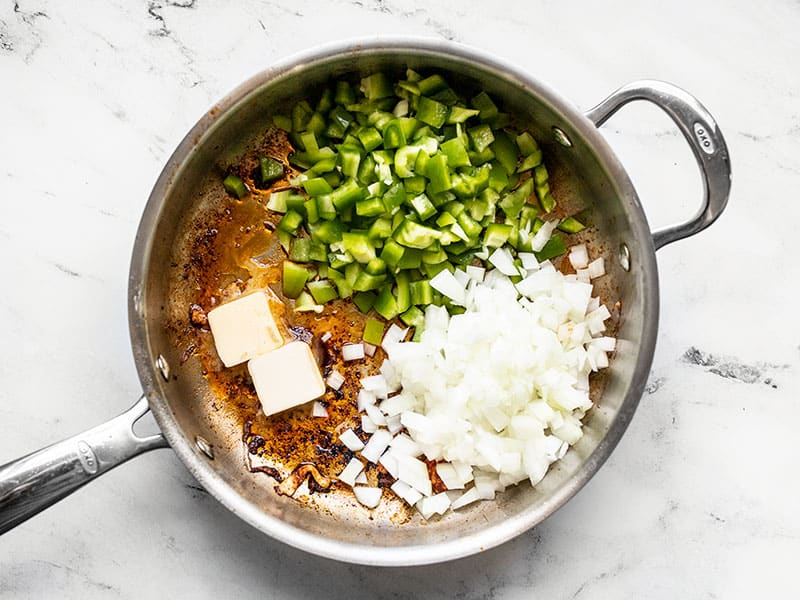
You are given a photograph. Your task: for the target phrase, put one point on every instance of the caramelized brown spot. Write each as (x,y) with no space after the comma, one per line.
(197,316)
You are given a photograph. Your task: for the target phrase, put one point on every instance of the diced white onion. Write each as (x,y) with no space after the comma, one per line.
(364,398)
(352,352)
(389,462)
(325,336)
(374,413)
(362,478)
(368,425)
(368,496)
(318,410)
(461,277)
(415,473)
(351,471)
(529,262)
(596,268)
(579,256)
(476,273)
(433,505)
(349,438)
(446,283)
(376,445)
(406,492)
(447,473)
(403,444)
(543,235)
(335,380)
(369,349)
(393,424)
(502,259)
(468,497)
(394,335)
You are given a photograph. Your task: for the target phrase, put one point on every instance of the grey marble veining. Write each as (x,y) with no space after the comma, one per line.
(700,498)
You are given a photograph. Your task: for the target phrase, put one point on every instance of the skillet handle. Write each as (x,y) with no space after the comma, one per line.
(34,482)
(703,136)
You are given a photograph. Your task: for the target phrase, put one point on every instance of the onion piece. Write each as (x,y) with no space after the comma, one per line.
(376,445)
(446,283)
(349,438)
(415,473)
(352,352)
(368,496)
(502,259)
(393,424)
(374,413)
(543,235)
(389,462)
(579,256)
(318,410)
(447,473)
(351,471)
(364,399)
(433,505)
(368,425)
(335,380)
(476,273)
(468,497)
(529,262)
(369,349)
(394,335)
(596,268)
(406,492)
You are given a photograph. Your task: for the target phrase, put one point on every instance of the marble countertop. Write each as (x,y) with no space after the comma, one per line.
(699,500)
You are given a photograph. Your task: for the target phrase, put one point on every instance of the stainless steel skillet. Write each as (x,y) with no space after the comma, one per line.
(587,175)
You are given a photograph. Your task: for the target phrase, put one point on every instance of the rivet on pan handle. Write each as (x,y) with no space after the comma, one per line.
(704,137)
(34,482)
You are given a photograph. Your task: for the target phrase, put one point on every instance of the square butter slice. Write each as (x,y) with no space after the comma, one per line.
(286,377)
(245,328)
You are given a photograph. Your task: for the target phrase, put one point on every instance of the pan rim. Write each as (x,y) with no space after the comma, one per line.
(363,553)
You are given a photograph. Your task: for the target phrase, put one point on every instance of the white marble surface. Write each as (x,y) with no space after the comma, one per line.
(700,498)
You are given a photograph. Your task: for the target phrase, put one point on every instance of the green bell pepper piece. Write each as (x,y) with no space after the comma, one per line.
(505,151)
(432,112)
(481,137)
(323,291)
(235,186)
(484,104)
(385,304)
(414,235)
(269,169)
(513,202)
(290,222)
(571,225)
(294,279)
(373,332)
(456,153)
(364,301)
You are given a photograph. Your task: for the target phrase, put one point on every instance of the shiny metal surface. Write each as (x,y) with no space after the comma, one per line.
(704,137)
(591,177)
(30,484)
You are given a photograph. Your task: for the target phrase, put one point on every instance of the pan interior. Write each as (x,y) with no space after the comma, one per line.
(584,177)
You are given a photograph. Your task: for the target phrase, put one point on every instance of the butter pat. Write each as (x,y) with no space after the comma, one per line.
(286,377)
(245,328)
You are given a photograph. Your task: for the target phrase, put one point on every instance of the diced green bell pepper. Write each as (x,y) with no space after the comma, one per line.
(235,186)
(294,279)
(323,291)
(373,332)
(364,300)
